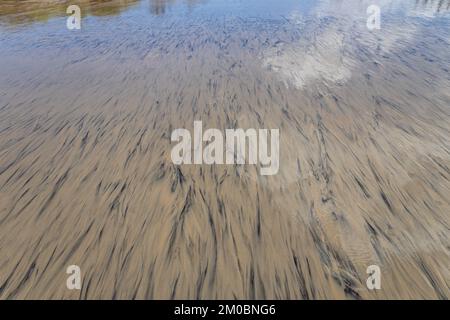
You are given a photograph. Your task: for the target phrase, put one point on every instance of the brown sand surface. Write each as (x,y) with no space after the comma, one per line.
(86,176)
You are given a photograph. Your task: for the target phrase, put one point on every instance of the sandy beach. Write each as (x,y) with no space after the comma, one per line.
(86,176)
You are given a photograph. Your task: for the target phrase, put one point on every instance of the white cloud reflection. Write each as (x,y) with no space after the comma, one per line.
(329,55)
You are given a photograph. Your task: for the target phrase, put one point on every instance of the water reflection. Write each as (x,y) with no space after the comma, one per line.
(357,8)
(159,7)
(430,8)
(26,12)
(85,122)
(333,52)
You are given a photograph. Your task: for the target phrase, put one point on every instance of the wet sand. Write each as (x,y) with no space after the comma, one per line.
(86,176)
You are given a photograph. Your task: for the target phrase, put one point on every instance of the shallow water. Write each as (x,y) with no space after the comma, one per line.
(86,176)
